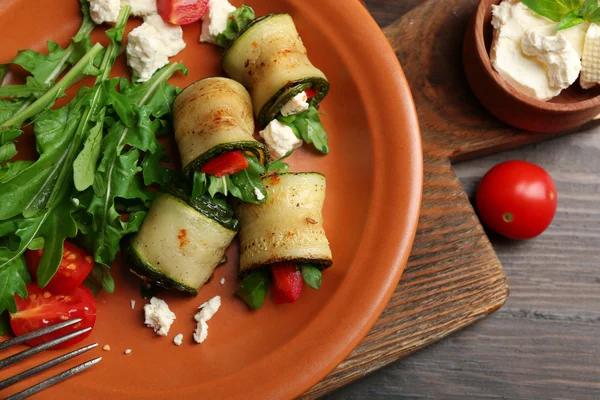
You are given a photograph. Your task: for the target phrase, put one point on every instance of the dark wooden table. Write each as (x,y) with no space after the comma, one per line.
(545,342)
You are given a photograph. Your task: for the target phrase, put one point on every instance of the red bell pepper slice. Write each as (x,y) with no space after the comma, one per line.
(287,283)
(310,93)
(226,164)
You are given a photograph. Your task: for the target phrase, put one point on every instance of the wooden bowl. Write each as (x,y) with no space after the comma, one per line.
(571,109)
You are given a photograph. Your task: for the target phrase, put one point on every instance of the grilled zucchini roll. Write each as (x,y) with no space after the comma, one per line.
(181,242)
(211,117)
(288,227)
(269,58)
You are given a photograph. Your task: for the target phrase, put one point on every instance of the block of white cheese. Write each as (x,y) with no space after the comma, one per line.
(296,105)
(141,8)
(590,73)
(280,138)
(105,11)
(158,316)
(215,20)
(526,74)
(150,45)
(553,50)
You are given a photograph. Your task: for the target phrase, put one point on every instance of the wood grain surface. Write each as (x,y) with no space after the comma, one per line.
(453,277)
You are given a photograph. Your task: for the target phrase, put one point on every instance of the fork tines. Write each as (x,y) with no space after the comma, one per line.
(48,364)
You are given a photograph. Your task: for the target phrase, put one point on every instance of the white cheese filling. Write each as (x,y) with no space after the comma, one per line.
(215,20)
(280,138)
(158,316)
(296,105)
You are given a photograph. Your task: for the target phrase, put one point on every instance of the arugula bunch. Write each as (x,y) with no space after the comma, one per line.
(96,154)
(308,127)
(567,13)
(237,21)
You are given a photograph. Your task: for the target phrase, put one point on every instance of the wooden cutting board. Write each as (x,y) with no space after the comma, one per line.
(453,277)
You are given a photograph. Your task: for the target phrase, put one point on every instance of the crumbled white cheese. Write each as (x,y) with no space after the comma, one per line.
(178,339)
(296,105)
(258,194)
(215,20)
(170,35)
(132,304)
(158,316)
(511,20)
(280,138)
(555,52)
(141,8)
(222,281)
(151,44)
(128,351)
(207,311)
(103,11)
(590,74)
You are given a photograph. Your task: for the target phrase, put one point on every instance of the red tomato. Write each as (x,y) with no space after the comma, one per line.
(310,93)
(226,164)
(43,308)
(517,199)
(287,283)
(181,12)
(74,268)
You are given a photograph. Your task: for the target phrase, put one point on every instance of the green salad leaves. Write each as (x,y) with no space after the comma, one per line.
(238,21)
(96,154)
(567,13)
(308,127)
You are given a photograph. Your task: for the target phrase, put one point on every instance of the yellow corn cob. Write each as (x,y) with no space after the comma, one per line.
(590,73)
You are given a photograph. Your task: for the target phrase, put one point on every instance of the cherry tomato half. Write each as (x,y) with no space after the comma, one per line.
(517,199)
(75,266)
(181,12)
(42,308)
(287,283)
(226,164)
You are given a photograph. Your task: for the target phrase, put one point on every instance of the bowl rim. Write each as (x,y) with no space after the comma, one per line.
(484,56)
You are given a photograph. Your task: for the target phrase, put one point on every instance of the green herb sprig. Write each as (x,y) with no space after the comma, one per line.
(567,13)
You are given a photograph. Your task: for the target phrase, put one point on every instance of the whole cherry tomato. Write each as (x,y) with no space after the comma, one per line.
(517,199)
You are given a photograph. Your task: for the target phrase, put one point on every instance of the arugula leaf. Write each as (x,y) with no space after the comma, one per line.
(307,126)
(13,279)
(254,288)
(100,279)
(154,171)
(237,21)
(84,166)
(279,165)
(243,185)
(311,275)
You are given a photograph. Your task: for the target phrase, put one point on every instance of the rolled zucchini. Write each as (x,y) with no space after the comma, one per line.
(178,246)
(269,59)
(288,227)
(211,117)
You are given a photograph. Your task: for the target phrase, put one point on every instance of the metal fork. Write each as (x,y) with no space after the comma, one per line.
(48,364)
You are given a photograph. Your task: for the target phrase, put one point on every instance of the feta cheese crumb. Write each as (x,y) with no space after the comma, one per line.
(296,105)
(158,316)
(103,11)
(106,347)
(141,8)
(222,281)
(215,20)
(280,138)
(178,339)
(207,311)
(150,45)
(132,304)
(128,351)
(258,194)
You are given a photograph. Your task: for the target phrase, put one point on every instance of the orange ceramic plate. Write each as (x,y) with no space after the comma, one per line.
(374,176)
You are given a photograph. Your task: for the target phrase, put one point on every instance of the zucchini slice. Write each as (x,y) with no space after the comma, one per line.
(288,227)
(269,59)
(178,246)
(213,116)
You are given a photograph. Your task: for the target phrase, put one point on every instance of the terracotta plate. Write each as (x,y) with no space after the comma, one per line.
(374,177)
